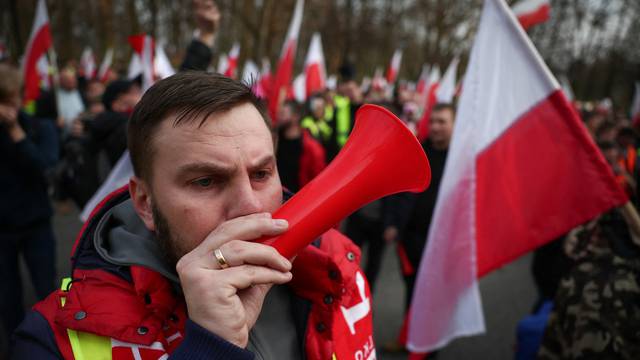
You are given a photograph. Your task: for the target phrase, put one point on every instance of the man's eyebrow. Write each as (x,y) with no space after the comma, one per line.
(205,168)
(267,160)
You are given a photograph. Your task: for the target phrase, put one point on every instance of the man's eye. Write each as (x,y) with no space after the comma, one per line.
(203,182)
(261,175)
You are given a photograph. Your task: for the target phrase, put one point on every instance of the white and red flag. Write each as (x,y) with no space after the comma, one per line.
(521,171)
(447,87)
(39,42)
(105,66)
(282,79)
(423,80)
(250,73)
(232,61)
(87,63)
(265,80)
(532,12)
(143,45)
(394,66)
(314,68)
(298,89)
(162,67)
(429,101)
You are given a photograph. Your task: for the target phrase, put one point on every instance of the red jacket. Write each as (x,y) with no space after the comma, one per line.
(136,306)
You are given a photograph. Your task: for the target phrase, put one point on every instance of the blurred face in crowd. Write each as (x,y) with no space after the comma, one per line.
(205,175)
(441,127)
(128,100)
(68,80)
(95,89)
(10,86)
(286,116)
(317,107)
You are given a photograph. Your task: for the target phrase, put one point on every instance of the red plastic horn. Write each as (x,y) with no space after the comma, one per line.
(381,157)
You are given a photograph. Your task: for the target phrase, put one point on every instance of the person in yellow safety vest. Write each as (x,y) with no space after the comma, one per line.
(345,104)
(317,121)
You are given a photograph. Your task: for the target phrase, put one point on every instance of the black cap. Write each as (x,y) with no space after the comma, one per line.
(347,72)
(115,89)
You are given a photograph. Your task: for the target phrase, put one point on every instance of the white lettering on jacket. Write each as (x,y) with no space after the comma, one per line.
(360,310)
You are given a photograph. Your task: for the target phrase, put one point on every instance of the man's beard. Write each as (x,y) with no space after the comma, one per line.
(167,240)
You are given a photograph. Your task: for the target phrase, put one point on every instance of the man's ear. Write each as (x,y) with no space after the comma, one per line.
(141,196)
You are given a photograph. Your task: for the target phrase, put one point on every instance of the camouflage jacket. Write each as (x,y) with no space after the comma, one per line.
(597,306)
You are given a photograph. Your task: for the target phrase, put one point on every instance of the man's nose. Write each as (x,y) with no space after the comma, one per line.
(243,200)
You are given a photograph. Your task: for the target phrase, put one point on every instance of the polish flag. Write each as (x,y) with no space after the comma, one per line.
(39,42)
(223,63)
(447,87)
(314,68)
(265,80)
(394,66)
(299,89)
(105,66)
(378,82)
(423,80)
(88,63)
(532,12)
(429,101)
(232,61)
(250,73)
(521,171)
(283,76)
(162,67)
(143,46)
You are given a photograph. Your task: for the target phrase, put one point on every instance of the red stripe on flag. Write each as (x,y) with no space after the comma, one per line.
(313,79)
(541,15)
(281,80)
(41,42)
(538,180)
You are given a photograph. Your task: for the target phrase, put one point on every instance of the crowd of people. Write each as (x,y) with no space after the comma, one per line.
(65,149)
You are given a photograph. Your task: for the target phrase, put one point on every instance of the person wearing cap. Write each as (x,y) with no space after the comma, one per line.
(107,132)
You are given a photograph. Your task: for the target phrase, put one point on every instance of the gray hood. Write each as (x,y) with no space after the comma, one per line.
(121,238)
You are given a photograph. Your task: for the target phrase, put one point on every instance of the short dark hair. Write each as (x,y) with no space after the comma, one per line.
(294,106)
(444,106)
(190,96)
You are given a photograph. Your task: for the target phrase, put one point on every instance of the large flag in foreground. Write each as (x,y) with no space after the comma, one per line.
(284,73)
(39,42)
(521,171)
(532,12)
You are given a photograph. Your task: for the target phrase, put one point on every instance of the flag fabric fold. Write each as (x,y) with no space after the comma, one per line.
(447,87)
(394,66)
(314,67)
(284,73)
(39,42)
(521,171)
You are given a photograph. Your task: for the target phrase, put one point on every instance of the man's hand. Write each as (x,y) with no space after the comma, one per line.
(207,18)
(227,301)
(9,120)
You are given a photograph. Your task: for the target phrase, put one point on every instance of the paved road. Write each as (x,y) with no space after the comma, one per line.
(507,296)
